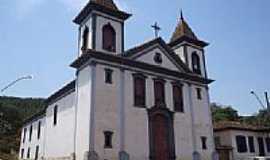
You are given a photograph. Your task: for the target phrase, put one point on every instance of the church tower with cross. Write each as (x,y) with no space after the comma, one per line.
(188,47)
(150,102)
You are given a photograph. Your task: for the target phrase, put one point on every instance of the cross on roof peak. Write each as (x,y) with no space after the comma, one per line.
(156,29)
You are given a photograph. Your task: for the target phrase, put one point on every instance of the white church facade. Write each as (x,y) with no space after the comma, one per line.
(150,102)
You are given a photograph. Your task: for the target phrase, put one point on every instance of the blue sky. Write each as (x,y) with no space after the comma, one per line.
(38,37)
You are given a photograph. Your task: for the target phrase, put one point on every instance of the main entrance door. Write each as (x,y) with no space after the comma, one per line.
(161,146)
(161,134)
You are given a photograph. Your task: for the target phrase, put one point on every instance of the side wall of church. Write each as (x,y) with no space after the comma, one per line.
(59,140)
(35,141)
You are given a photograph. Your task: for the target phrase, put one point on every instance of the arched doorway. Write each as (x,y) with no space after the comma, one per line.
(161,134)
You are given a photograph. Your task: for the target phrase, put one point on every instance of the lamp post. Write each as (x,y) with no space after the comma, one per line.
(258,99)
(16,81)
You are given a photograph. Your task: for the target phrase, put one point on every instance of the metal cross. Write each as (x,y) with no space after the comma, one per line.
(156,29)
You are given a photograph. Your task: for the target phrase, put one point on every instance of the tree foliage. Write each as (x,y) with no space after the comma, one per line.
(223,113)
(13,111)
(228,113)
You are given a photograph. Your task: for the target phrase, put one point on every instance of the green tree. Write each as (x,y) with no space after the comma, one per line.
(223,113)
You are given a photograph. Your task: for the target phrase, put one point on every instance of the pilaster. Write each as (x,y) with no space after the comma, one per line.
(92,107)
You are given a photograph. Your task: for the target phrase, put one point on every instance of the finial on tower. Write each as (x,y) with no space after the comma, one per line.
(181,15)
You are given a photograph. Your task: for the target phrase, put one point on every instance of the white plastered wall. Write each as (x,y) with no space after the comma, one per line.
(34,140)
(59,141)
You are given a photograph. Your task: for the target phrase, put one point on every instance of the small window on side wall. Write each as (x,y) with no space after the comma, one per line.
(24,134)
(199,93)
(108,76)
(108,139)
(39,129)
(30,133)
(204,142)
(36,153)
(55,112)
(28,153)
(22,153)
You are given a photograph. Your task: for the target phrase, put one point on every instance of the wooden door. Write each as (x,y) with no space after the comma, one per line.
(161,143)
(224,154)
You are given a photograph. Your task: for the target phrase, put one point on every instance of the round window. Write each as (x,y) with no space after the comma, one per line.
(158,58)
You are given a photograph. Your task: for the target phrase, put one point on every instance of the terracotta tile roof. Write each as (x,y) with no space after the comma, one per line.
(183,29)
(106,3)
(234,125)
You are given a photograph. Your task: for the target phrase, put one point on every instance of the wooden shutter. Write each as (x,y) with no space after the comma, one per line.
(178,98)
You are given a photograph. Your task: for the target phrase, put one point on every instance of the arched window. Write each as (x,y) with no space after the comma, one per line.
(85,38)
(196,66)
(108,38)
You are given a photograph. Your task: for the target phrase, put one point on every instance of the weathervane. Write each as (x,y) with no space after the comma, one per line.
(156,29)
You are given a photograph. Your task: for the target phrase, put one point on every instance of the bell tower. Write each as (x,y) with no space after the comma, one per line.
(189,48)
(101,27)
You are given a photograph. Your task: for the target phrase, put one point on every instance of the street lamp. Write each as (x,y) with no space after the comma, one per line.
(16,81)
(259,100)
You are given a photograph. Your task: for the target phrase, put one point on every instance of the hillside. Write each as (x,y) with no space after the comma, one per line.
(13,111)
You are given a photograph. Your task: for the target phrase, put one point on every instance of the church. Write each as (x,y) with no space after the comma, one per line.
(150,102)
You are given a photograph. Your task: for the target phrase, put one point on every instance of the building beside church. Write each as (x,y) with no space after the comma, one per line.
(239,141)
(150,102)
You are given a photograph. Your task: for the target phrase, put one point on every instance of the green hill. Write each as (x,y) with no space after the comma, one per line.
(13,111)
